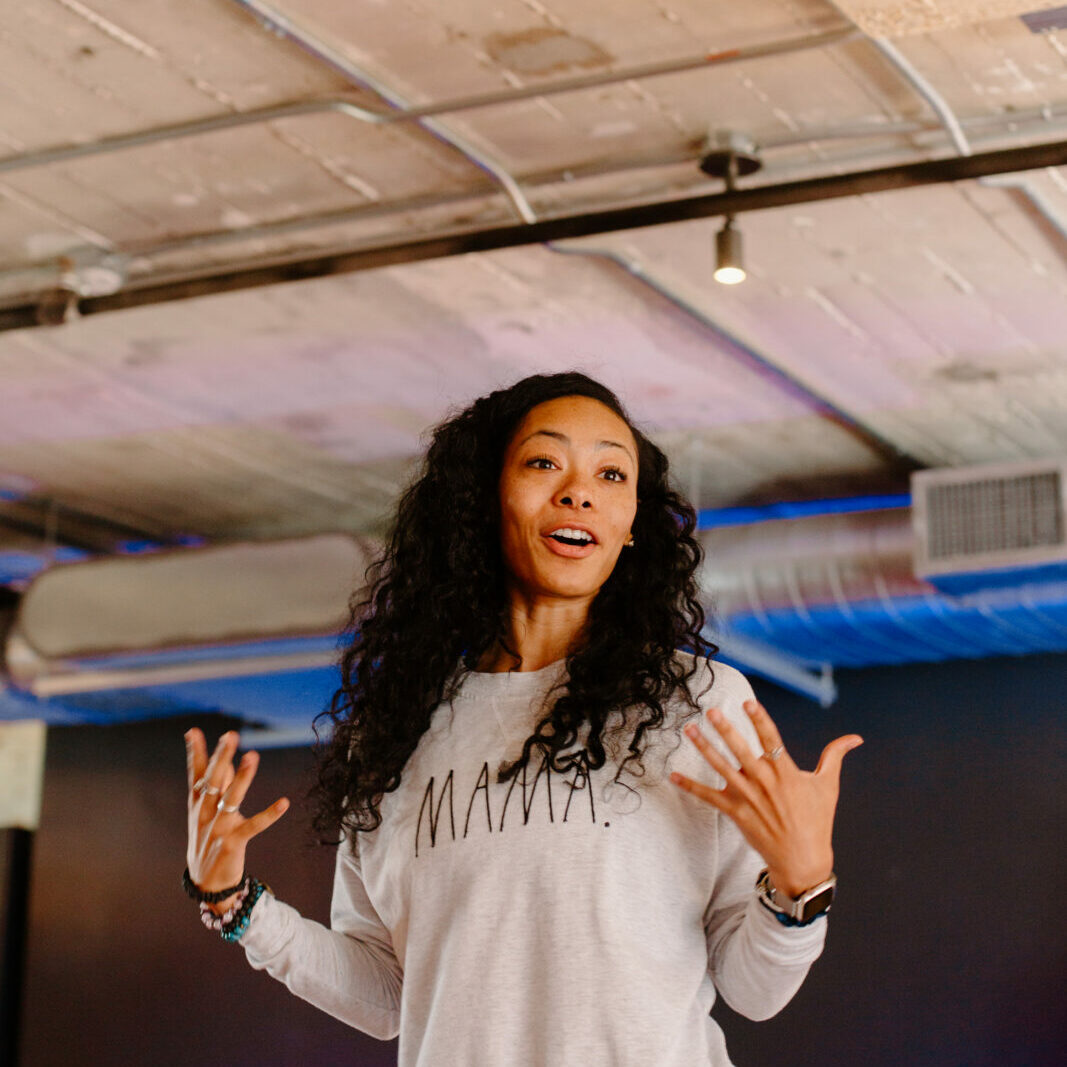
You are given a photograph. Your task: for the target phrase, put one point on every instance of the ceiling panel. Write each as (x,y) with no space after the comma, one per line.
(929,322)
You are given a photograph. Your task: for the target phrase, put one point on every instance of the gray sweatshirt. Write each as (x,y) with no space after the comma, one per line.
(550,921)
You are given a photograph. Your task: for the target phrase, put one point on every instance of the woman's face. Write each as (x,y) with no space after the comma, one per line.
(568,497)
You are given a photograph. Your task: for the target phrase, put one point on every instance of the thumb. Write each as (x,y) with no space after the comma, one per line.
(834,753)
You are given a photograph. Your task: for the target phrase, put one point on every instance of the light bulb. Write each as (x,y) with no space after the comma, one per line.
(729,275)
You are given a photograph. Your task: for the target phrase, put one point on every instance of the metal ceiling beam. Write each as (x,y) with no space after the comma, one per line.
(738,201)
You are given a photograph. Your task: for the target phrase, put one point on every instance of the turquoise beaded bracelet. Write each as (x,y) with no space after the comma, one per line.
(235,928)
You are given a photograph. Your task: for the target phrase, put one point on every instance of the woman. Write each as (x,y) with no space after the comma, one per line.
(537,868)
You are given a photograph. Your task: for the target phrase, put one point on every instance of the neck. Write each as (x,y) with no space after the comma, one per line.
(541,630)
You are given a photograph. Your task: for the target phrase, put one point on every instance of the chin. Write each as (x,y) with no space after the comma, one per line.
(569,585)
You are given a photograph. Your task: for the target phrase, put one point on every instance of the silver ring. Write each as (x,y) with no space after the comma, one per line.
(774,753)
(199,784)
(229,808)
(211,790)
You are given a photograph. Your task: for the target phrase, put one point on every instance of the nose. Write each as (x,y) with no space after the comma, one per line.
(575,495)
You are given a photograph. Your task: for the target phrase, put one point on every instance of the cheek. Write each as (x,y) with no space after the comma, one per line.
(623,517)
(517,523)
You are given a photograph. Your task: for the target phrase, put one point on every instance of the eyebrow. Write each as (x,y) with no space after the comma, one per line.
(564,439)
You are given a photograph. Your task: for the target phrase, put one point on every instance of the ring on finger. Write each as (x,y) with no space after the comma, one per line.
(211,790)
(774,753)
(230,809)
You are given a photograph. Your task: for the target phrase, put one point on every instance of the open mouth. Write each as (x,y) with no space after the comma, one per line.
(572,537)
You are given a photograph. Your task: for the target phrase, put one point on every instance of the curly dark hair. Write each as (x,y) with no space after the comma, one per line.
(436,602)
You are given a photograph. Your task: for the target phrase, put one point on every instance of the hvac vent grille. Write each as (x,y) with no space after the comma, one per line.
(994,515)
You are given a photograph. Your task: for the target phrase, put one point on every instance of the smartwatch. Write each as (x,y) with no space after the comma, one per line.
(800,910)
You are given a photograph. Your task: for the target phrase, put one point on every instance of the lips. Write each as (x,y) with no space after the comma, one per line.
(566,528)
(569,548)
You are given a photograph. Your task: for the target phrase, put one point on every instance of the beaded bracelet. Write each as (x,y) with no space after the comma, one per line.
(212,920)
(234,929)
(207,896)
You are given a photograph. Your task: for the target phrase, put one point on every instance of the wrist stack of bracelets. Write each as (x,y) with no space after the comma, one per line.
(232,923)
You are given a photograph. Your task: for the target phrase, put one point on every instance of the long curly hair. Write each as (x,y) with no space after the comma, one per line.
(436,601)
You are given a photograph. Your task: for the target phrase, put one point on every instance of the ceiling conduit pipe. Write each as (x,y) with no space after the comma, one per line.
(282,26)
(1023,186)
(922,86)
(256,116)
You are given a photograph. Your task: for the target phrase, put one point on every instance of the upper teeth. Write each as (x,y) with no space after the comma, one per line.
(575,535)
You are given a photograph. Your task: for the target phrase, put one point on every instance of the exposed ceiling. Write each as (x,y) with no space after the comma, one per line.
(156,146)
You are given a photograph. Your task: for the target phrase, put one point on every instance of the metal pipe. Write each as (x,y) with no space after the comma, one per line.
(639,73)
(828,187)
(920,84)
(351,109)
(216,124)
(1024,187)
(926,90)
(285,27)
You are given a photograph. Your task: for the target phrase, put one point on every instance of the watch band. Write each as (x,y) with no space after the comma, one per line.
(800,910)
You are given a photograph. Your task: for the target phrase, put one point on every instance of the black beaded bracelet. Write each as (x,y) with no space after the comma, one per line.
(204,896)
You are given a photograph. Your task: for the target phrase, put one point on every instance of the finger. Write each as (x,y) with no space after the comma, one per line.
(217,777)
(704,792)
(195,756)
(222,760)
(234,794)
(735,741)
(770,738)
(731,775)
(833,755)
(261,820)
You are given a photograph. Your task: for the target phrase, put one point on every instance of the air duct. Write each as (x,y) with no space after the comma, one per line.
(188,615)
(239,626)
(857,590)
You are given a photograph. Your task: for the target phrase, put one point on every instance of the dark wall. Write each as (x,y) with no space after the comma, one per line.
(947,945)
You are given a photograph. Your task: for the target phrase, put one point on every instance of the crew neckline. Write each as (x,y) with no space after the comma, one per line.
(555,665)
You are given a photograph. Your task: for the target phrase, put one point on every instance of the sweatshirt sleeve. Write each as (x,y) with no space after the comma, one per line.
(756,963)
(349,971)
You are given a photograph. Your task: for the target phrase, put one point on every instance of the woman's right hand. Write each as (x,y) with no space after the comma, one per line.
(218,838)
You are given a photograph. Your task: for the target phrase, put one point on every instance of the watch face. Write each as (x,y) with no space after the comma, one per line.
(818,903)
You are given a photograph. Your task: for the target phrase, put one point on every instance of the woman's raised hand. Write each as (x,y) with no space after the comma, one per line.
(785,814)
(218,832)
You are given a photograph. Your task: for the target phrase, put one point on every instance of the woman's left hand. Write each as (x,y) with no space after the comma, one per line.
(786,814)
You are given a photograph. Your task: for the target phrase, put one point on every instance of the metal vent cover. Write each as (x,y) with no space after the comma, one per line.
(990,517)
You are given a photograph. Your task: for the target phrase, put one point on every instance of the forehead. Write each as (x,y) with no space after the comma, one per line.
(580,418)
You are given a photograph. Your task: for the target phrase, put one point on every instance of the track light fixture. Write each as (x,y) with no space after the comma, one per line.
(730,156)
(729,263)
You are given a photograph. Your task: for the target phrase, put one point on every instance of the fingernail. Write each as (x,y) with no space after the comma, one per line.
(691,730)
(750,707)
(675,777)
(715,715)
